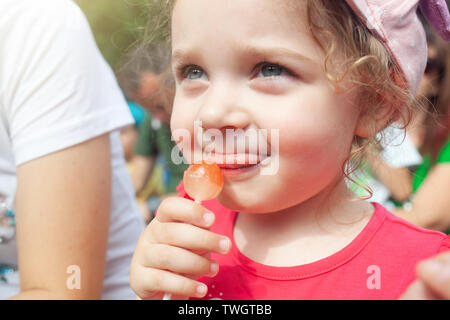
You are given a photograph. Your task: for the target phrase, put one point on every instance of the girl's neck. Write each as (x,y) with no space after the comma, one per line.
(324,224)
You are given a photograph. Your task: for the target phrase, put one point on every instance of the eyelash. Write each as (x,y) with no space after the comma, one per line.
(182,70)
(262,64)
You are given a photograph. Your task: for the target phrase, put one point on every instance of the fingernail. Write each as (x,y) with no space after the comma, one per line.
(208,218)
(224,244)
(214,267)
(201,290)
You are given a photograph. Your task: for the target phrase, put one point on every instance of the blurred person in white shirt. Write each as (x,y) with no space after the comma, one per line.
(67,211)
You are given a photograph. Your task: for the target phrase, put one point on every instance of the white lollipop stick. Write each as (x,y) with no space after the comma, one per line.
(168,296)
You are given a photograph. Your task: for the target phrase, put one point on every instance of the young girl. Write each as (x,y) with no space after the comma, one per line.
(313,71)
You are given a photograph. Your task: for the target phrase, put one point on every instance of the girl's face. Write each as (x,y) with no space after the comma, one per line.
(252,65)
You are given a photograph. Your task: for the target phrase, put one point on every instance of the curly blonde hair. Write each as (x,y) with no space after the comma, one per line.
(350,46)
(368,65)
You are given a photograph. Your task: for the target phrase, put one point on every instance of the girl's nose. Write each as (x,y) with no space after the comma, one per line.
(221,110)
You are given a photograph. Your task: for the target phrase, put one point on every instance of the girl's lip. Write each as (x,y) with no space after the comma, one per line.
(235,160)
(243,172)
(240,173)
(235,166)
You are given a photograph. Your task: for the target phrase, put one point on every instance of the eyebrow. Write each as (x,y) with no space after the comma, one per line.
(181,54)
(256,51)
(263,51)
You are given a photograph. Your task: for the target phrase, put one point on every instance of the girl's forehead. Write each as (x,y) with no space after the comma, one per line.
(247,12)
(239,21)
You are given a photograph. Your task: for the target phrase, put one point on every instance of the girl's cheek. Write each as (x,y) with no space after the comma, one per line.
(190,88)
(273,86)
(181,116)
(182,127)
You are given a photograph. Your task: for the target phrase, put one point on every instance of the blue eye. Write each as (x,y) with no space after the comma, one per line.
(272,70)
(194,73)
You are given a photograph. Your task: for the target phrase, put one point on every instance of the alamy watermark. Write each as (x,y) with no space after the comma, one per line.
(73,282)
(374,281)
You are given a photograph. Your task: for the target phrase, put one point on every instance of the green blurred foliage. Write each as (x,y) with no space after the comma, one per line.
(117,25)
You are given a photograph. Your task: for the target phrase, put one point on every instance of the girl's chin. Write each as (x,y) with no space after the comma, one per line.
(241,204)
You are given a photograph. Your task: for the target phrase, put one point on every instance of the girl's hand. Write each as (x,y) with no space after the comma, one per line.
(174,250)
(434,280)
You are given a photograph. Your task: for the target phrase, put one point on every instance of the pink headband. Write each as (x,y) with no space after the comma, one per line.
(397,25)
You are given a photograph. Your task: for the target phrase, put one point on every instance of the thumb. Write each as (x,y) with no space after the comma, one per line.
(418,291)
(435,274)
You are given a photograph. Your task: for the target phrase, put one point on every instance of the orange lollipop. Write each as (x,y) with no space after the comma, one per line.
(203,181)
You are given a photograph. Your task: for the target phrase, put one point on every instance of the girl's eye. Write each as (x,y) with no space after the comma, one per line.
(271,70)
(194,73)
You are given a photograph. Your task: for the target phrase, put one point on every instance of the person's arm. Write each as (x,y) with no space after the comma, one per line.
(397,180)
(430,206)
(62,212)
(142,168)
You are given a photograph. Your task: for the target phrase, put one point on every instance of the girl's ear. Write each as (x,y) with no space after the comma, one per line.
(384,113)
(372,121)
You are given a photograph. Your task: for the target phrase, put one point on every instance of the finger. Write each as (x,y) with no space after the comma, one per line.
(190,237)
(443,258)
(177,209)
(154,283)
(435,274)
(417,291)
(161,256)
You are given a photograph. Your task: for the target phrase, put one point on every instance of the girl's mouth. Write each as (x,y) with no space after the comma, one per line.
(235,166)
(241,166)
(239,170)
